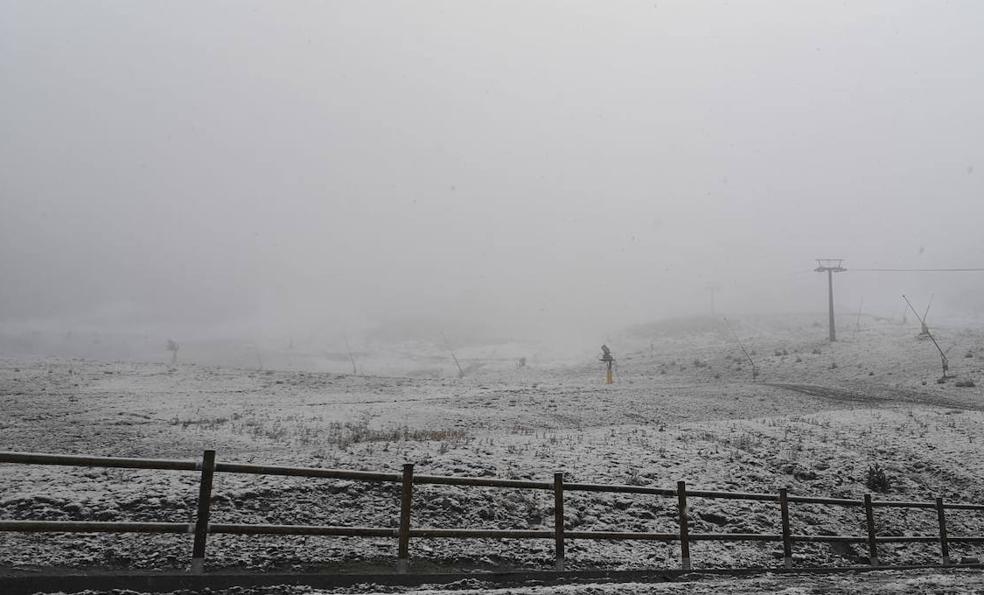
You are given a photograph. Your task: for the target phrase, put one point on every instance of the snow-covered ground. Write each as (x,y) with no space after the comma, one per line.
(685,406)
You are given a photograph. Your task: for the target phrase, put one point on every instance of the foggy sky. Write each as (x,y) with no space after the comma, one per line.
(212,167)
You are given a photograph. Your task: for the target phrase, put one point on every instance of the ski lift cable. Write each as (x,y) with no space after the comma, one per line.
(954,270)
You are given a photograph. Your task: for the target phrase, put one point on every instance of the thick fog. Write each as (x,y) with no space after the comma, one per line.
(278,171)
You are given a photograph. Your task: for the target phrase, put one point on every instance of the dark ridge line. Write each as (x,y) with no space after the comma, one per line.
(911,397)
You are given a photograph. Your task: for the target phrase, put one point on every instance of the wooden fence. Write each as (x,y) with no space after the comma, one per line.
(208,466)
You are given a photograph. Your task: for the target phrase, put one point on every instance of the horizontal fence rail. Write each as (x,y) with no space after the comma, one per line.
(94,527)
(404,532)
(86,461)
(306,472)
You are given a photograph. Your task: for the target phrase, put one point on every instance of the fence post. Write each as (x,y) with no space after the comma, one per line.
(684,530)
(944,543)
(559,520)
(787,541)
(204,510)
(406,498)
(869,516)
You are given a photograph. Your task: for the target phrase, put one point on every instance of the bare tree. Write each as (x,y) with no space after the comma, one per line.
(741,346)
(348,348)
(944,362)
(461,373)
